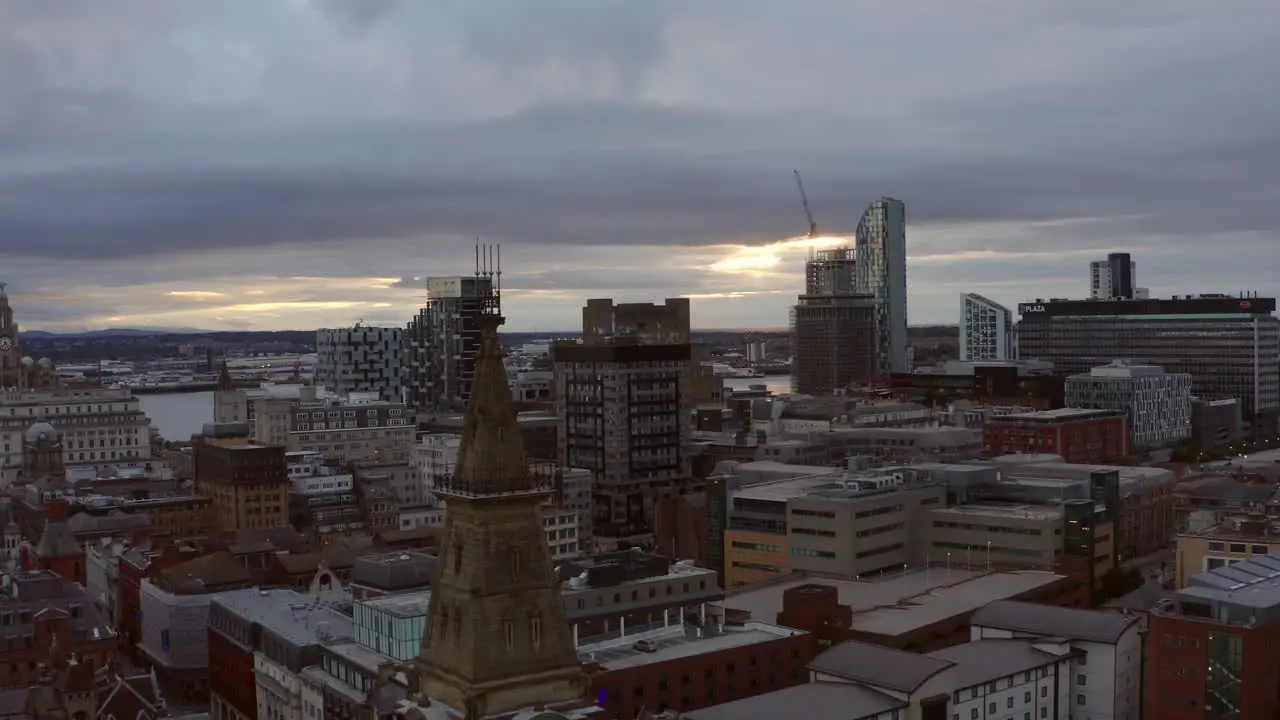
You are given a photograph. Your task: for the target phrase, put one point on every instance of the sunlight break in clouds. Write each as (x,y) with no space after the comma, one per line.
(748,258)
(195,294)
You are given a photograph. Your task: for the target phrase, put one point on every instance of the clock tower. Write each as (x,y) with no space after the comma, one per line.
(12,373)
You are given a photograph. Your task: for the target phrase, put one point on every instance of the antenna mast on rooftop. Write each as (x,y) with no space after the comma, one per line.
(489,277)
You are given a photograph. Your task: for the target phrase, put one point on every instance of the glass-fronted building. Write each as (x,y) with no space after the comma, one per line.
(392,624)
(1229,345)
(880,243)
(986,329)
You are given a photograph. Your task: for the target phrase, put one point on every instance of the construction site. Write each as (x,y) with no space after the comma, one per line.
(833,332)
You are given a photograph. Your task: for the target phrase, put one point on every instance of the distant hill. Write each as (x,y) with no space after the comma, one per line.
(115,332)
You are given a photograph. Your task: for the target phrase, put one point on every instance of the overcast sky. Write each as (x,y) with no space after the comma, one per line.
(261,164)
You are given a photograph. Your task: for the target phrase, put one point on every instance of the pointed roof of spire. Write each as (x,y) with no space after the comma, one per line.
(225,383)
(491,457)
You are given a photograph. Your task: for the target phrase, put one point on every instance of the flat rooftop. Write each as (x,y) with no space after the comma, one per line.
(1058,415)
(783,490)
(302,619)
(902,603)
(1030,512)
(413,604)
(676,642)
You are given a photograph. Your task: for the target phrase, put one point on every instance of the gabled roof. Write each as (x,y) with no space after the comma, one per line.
(134,697)
(57,541)
(814,701)
(981,661)
(1053,621)
(878,666)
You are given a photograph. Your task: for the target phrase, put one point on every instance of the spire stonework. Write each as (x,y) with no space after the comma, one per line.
(497,640)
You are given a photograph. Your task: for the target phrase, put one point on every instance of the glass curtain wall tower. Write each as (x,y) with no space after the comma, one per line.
(881,246)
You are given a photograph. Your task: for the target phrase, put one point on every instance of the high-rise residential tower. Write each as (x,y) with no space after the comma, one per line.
(881,272)
(359,359)
(442,342)
(833,338)
(986,329)
(1115,279)
(625,397)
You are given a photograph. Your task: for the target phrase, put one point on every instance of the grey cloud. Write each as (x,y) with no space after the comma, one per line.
(262,127)
(360,14)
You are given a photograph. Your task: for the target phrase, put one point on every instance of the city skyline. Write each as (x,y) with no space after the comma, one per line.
(295,165)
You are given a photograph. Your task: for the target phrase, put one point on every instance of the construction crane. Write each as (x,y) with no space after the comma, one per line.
(813,226)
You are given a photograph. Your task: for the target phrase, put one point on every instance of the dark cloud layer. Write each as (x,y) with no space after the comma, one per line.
(140,137)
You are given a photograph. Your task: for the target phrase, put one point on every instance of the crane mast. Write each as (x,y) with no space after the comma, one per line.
(813,226)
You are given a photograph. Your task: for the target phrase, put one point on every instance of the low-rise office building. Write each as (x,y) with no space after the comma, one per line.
(623,592)
(1078,435)
(686,667)
(1158,404)
(1016,679)
(845,525)
(994,535)
(919,610)
(1233,541)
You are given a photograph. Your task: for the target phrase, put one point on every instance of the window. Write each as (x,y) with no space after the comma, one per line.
(1044,692)
(1026,696)
(991,708)
(1079,679)
(1079,699)
(535,630)
(516,563)
(1009,702)
(973,714)
(509,633)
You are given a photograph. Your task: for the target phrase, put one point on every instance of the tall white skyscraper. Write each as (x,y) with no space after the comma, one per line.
(881,272)
(986,329)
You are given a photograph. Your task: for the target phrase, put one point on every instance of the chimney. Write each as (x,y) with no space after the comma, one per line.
(56,509)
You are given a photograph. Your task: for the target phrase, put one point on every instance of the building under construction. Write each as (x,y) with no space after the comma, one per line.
(833,332)
(442,342)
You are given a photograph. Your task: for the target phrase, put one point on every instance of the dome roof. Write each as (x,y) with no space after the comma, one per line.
(28,361)
(41,431)
(45,363)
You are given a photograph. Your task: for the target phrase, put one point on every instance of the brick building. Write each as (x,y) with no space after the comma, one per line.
(1078,436)
(998,384)
(249,484)
(685,667)
(1211,647)
(921,611)
(40,613)
(57,550)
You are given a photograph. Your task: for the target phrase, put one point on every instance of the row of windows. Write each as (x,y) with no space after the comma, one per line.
(1239,548)
(758,547)
(996,529)
(813,513)
(806,552)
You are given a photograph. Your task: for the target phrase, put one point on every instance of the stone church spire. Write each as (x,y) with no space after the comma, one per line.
(497,640)
(225,383)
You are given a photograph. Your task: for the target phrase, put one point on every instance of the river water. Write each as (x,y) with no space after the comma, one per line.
(180,415)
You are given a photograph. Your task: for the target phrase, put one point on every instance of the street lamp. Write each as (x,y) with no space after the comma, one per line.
(988,556)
